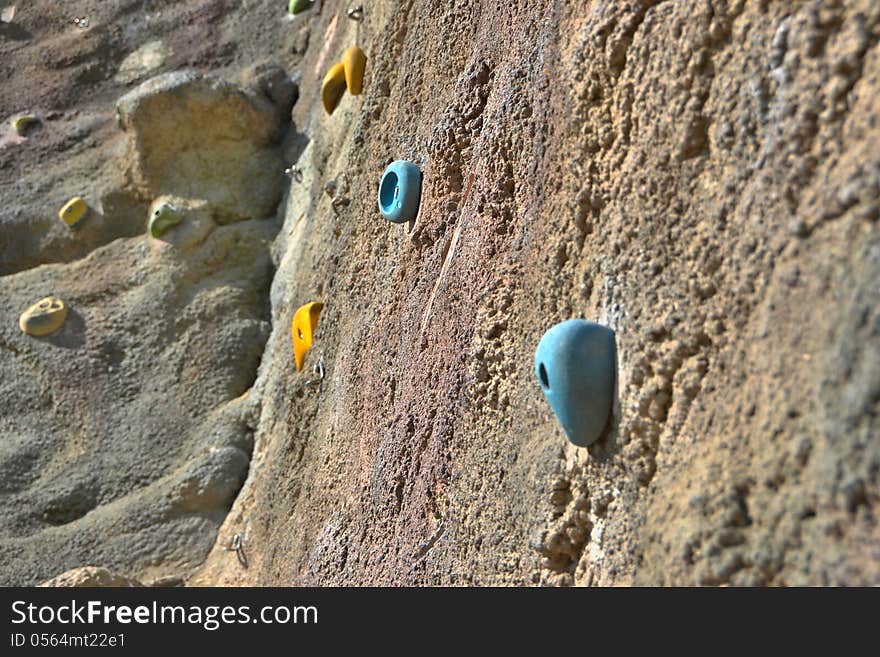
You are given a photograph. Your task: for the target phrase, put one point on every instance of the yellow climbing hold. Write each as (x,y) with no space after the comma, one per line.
(44,317)
(23,123)
(305,321)
(354,61)
(73,211)
(333,87)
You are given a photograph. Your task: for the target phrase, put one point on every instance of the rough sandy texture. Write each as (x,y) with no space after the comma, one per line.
(127,434)
(90,576)
(703,177)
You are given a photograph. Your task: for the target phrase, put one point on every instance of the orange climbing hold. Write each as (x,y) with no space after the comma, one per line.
(333,87)
(354,61)
(305,321)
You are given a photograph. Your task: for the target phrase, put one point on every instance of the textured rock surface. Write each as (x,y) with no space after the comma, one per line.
(90,576)
(198,136)
(702,176)
(127,433)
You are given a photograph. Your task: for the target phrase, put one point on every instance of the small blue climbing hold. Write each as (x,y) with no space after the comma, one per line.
(576,363)
(400,192)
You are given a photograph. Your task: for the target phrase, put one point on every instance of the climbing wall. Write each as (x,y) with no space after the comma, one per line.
(125,433)
(700,176)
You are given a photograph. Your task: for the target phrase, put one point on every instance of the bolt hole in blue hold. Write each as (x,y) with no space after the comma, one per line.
(388,192)
(542,374)
(576,363)
(400,192)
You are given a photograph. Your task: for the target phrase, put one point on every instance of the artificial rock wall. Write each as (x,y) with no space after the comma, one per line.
(701,176)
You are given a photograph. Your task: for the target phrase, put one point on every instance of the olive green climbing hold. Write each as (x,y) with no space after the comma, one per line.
(163,218)
(333,87)
(354,61)
(22,124)
(73,211)
(44,317)
(299,6)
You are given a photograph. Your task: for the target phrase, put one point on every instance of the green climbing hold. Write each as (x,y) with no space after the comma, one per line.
(299,6)
(24,123)
(163,218)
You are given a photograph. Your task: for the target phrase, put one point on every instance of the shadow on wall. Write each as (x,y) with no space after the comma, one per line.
(40,239)
(72,335)
(14,31)
(608,445)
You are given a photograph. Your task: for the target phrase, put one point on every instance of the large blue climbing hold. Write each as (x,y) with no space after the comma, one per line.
(576,363)
(400,192)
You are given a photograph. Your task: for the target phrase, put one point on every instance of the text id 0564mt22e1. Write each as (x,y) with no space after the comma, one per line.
(53,640)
